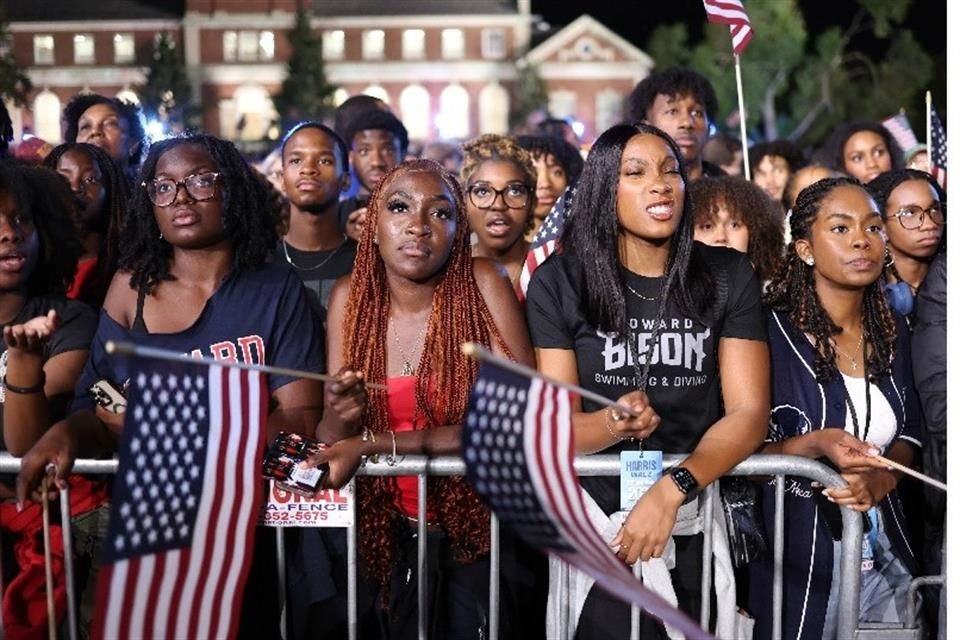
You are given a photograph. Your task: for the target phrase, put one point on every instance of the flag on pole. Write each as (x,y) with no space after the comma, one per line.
(545,241)
(518,449)
(899,127)
(185,502)
(938,155)
(731,12)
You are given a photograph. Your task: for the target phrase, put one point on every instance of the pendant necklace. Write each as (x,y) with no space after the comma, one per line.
(407,368)
(286,254)
(853,360)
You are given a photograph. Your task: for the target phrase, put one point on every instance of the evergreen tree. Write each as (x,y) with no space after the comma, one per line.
(14,82)
(529,94)
(305,93)
(166,93)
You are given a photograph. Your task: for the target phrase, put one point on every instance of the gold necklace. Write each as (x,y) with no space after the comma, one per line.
(407,368)
(853,361)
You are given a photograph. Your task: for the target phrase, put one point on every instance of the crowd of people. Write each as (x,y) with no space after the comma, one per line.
(802,313)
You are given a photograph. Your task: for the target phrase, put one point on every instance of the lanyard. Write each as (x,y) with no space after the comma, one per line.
(853,411)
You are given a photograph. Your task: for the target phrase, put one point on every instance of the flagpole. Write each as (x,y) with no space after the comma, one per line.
(130,349)
(743,117)
(929,134)
(481,353)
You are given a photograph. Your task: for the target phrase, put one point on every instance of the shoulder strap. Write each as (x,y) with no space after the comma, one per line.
(138,323)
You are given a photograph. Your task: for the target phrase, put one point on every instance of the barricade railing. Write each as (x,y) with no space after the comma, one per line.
(776,466)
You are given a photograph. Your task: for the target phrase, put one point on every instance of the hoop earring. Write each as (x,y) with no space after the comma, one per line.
(887,258)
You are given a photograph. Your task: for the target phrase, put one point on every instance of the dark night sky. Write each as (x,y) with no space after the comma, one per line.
(636,19)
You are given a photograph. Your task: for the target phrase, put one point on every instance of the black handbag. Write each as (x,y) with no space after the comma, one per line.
(741,513)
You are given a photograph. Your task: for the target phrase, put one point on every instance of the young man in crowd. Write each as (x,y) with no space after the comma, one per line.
(314,173)
(772,164)
(682,103)
(378,142)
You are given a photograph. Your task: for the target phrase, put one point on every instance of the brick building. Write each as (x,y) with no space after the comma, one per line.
(445,66)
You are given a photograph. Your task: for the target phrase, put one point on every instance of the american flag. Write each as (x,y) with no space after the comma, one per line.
(518,448)
(938,156)
(733,13)
(545,242)
(899,127)
(185,502)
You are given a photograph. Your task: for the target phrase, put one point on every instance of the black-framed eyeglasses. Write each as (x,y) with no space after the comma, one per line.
(515,196)
(200,186)
(911,217)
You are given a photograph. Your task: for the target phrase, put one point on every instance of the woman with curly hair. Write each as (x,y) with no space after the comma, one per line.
(864,150)
(102,192)
(842,391)
(114,125)
(415,296)
(731,212)
(194,278)
(46,339)
(637,311)
(558,164)
(914,210)
(499,180)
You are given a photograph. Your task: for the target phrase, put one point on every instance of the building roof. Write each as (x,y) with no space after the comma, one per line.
(323,8)
(81,10)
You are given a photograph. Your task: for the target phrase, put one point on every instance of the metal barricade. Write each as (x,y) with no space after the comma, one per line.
(777,466)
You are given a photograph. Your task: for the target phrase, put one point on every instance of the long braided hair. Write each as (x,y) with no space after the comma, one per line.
(459,314)
(793,291)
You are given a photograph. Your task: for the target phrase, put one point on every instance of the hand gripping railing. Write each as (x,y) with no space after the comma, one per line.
(777,466)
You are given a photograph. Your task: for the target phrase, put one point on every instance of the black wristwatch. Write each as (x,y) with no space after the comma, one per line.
(685,481)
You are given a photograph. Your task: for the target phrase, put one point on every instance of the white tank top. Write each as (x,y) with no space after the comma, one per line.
(883,422)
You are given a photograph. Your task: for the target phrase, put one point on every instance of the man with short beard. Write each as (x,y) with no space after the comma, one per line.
(315,172)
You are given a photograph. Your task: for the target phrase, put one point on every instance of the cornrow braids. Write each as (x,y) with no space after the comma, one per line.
(250,220)
(490,146)
(458,314)
(794,291)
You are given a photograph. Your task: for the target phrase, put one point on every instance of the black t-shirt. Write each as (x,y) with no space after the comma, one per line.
(683,384)
(319,270)
(78,324)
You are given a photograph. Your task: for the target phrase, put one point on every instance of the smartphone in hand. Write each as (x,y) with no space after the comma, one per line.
(282,464)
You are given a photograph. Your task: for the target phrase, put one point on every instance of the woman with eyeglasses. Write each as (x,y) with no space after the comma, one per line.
(102,191)
(914,213)
(500,181)
(194,278)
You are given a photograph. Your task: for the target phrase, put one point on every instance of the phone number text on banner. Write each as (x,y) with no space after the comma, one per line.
(329,508)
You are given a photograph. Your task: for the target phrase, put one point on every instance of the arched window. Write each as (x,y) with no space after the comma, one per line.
(415,111)
(453,121)
(254,112)
(563,103)
(377,91)
(494,109)
(340,96)
(609,109)
(46,116)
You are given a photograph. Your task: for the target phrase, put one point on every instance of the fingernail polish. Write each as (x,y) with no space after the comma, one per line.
(19,506)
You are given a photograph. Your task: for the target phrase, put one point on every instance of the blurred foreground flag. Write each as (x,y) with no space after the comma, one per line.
(938,140)
(518,448)
(185,502)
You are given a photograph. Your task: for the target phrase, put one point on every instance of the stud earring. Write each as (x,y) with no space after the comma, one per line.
(161,235)
(809,261)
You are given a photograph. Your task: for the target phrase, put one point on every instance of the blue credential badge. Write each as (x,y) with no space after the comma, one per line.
(638,471)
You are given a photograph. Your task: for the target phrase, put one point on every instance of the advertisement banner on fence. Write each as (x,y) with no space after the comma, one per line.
(329,508)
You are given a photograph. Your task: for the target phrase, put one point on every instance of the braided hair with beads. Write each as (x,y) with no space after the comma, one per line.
(794,291)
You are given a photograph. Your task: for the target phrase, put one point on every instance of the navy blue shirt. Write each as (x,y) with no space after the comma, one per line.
(258,316)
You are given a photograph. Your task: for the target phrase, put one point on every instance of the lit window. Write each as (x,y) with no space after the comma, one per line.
(373,44)
(83,52)
(609,109)
(267,48)
(415,111)
(340,96)
(249,47)
(46,116)
(452,43)
(453,121)
(43,49)
(377,91)
(493,44)
(333,45)
(562,103)
(123,50)
(229,46)
(413,43)
(494,109)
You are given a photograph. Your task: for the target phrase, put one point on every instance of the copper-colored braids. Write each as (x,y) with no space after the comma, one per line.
(793,291)
(445,376)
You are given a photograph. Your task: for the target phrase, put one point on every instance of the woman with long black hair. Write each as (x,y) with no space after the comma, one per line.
(632,308)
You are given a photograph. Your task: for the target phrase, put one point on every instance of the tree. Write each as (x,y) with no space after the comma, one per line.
(305,93)
(166,93)
(529,94)
(14,83)
(797,86)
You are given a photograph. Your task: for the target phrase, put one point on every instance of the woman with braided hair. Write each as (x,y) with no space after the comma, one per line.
(842,392)
(635,310)
(415,296)
(499,180)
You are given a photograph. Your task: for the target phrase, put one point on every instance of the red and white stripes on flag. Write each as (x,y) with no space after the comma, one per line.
(185,504)
(731,12)
(518,449)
